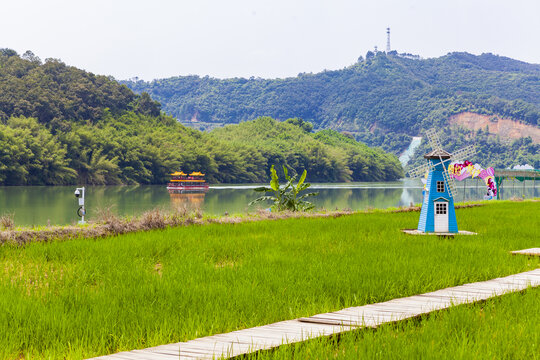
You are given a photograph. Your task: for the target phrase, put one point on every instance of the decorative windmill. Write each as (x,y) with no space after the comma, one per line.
(438,213)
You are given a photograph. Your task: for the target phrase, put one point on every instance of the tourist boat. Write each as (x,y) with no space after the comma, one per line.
(181,182)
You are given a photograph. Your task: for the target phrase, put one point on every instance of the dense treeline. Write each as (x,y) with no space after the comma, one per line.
(326,155)
(140,149)
(62,125)
(383,99)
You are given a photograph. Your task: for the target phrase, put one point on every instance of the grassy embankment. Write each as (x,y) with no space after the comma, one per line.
(87,297)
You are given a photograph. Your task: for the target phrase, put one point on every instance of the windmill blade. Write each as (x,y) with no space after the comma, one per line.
(449,183)
(433,139)
(420,170)
(466,152)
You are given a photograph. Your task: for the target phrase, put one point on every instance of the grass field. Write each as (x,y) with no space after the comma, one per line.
(87,297)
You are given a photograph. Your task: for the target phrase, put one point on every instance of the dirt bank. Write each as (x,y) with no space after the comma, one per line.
(507,129)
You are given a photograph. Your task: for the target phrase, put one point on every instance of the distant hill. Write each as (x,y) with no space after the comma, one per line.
(379,94)
(382,100)
(62,125)
(54,93)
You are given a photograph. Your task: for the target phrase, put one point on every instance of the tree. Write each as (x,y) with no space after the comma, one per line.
(146,106)
(286,197)
(304,125)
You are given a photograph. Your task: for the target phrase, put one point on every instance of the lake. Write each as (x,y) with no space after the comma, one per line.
(56,205)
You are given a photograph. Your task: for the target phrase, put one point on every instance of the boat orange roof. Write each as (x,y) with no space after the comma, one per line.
(181,173)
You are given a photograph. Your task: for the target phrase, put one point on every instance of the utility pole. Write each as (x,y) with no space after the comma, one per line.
(388,40)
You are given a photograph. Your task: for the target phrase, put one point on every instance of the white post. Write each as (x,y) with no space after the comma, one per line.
(79,193)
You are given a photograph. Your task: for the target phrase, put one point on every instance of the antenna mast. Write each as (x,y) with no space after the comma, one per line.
(388,40)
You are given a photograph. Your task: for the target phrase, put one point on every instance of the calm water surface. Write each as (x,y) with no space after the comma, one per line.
(56,205)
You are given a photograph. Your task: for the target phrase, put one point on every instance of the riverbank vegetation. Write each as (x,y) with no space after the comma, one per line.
(62,125)
(107,223)
(88,297)
(326,155)
(140,149)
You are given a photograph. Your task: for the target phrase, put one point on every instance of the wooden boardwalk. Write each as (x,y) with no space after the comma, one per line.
(286,332)
(531,251)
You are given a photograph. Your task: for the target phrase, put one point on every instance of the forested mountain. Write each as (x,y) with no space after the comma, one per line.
(383,99)
(62,125)
(58,95)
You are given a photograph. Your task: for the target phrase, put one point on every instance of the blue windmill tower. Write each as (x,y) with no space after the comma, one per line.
(438,214)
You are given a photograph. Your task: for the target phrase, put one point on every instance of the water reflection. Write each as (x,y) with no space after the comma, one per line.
(187,201)
(39,205)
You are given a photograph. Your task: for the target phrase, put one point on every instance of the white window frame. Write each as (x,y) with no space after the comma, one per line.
(441,208)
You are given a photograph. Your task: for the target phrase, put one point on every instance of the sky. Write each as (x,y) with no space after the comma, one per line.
(262,38)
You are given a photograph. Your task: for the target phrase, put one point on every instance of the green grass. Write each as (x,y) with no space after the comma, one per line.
(87,297)
(500,328)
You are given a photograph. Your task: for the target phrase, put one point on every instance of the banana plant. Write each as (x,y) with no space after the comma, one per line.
(286,197)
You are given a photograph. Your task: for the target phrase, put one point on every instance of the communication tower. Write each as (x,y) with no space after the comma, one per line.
(388,40)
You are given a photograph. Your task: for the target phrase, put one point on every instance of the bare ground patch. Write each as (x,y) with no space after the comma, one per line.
(505,128)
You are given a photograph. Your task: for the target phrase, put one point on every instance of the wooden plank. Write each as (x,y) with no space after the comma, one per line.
(278,332)
(217,343)
(138,356)
(375,314)
(289,332)
(533,279)
(256,341)
(186,353)
(425,299)
(531,252)
(314,329)
(396,308)
(520,279)
(124,355)
(310,332)
(314,319)
(211,346)
(254,338)
(150,355)
(468,294)
(180,355)
(348,320)
(274,333)
(516,284)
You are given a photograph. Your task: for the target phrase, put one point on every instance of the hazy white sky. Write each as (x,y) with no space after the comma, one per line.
(267,38)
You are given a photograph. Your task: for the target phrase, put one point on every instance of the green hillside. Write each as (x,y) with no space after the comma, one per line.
(63,125)
(386,90)
(383,99)
(327,155)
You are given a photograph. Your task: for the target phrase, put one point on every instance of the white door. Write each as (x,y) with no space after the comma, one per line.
(441,216)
